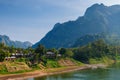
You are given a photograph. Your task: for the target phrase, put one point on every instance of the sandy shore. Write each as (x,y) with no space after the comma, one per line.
(39,73)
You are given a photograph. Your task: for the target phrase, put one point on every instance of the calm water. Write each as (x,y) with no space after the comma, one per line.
(111,73)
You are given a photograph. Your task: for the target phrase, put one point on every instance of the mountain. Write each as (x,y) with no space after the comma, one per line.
(97,19)
(84,40)
(110,39)
(6,40)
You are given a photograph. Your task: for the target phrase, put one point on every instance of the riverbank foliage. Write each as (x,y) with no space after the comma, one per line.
(92,53)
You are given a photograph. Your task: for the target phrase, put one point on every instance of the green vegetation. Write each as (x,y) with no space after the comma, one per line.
(104,60)
(77,62)
(52,64)
(66,52)
(3,69)
(42,58)
(95,50)
(13,67)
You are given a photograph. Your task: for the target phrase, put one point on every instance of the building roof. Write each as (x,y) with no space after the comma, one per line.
(10,57)
(50,53)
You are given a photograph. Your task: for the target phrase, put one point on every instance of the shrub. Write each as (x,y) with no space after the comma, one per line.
(52,64)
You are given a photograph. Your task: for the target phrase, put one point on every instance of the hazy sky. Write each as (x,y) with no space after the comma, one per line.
(30,20)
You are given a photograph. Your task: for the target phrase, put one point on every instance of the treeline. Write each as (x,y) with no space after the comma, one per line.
(35,55)
(40,54)
(97,49)
(6,51)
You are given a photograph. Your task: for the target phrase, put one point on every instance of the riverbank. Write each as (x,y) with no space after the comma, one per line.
(51,71)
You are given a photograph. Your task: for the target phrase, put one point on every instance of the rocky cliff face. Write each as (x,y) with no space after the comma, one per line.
(97,19)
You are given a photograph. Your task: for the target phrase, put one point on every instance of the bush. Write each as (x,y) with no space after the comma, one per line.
(52,64)
(35,66)
(21,60)
(3,69)
(104,60)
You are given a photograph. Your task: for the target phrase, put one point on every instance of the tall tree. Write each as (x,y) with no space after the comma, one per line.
(41,50)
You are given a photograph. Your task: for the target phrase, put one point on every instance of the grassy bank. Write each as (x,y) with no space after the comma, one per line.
(22,67)
(103,60)
(52,67)
(14,67)
(48,71)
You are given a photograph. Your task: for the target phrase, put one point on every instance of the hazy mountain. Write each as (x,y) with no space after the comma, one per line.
(6,40)
(97,19)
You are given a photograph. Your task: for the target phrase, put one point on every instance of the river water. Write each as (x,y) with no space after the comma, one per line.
(110,73)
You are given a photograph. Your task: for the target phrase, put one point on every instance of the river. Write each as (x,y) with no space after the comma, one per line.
(110,73)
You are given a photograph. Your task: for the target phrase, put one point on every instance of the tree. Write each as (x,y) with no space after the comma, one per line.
(97,49)
(62,51)
(12,49)
(41,50)
(2,55)
(2,45)
(31,50)
(68,53)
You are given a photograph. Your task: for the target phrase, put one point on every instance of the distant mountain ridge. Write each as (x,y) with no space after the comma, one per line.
(97,19)
(18,44)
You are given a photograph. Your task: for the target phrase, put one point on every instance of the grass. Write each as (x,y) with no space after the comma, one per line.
(103,60)
(52,64)
(118,59)
(6,66)
(3,69)
(17,72)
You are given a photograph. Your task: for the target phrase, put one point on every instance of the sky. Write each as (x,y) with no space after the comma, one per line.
(30,20)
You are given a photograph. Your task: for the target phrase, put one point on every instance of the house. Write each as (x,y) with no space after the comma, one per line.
(17,55)
(12,58)
(59,55)
(50,55)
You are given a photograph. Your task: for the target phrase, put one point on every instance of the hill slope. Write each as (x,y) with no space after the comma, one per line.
(97,19)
